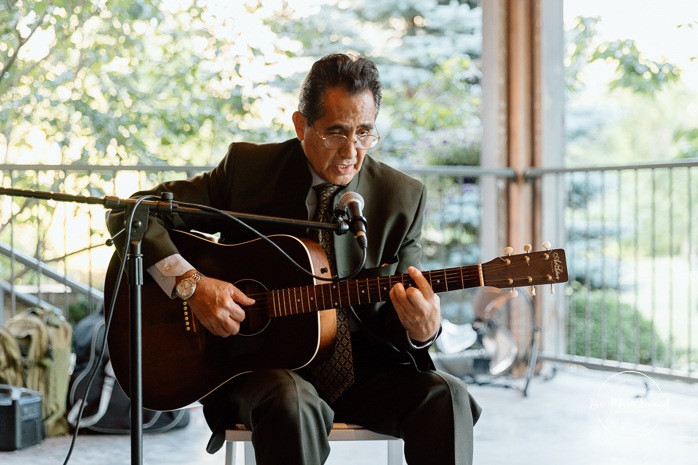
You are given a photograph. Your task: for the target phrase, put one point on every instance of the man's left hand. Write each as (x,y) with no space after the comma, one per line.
(417,307)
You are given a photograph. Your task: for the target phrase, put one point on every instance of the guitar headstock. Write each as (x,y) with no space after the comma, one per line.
(526,269)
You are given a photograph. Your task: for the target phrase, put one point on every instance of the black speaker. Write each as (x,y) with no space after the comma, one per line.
(20,418)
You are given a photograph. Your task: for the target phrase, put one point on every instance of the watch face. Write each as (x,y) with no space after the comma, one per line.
(185,289)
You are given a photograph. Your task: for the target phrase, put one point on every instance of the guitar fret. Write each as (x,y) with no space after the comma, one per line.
(312,304)
(441,280)
(351,297)
(338,302)
(273,303)
(328,296)
(280,311)
(312,301)
(286,301)
(299,301)
(373,297)
(429,275)
(289,307)
(304,299)
(282,304)
(343,289)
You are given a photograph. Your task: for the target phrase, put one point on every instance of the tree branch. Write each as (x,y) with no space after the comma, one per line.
(21,42)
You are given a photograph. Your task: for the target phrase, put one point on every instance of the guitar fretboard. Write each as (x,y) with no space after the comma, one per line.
(297,300)
(528,269)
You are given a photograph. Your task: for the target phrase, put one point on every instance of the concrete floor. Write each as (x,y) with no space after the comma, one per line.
(578,417)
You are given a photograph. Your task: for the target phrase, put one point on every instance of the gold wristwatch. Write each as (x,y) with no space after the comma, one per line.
(186,287)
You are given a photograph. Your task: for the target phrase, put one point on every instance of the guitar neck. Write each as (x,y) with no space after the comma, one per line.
(297,300)
(529,269)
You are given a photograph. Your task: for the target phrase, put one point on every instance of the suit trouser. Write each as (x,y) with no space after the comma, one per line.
(432,411)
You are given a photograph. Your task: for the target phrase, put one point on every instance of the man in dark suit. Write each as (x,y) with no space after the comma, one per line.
(391,386)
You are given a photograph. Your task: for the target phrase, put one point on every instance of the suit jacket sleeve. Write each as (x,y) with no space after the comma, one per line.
(249,179)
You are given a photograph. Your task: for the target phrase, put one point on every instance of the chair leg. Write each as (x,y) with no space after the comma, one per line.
(395,452)
(249,454)
(229,453)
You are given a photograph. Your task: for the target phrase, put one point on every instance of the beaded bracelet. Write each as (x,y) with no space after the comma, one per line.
(189,320)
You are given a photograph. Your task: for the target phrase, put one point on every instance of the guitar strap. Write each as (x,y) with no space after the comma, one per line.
(332,377)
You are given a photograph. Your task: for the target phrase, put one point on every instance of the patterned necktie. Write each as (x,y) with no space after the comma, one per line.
(332,377)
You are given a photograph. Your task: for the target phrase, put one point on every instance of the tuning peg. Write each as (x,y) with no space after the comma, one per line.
(527,248)
(513,293)
(547,245)
(508,251)
(533,288)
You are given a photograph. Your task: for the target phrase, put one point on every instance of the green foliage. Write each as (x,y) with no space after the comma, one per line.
(579,44)
(453,223)
(687,140)
(173,83)
(79,310)
(600,326)
(637,115)
(441,116)
(124,82)
(633,70)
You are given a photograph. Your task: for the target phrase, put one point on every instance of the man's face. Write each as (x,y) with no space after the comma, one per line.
(346,114)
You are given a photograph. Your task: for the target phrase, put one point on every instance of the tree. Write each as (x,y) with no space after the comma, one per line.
(110,83)
(428,53)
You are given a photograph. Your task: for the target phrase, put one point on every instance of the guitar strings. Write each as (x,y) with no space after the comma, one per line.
(305,299)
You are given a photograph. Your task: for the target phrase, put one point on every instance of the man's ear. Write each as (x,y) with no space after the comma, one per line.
(299,122)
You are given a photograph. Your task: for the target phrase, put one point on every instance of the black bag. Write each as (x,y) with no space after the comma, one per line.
(108,409)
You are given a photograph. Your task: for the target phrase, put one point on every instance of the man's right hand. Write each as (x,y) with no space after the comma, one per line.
(218,306)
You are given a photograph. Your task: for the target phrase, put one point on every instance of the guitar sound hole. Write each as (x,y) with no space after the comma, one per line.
(256,318)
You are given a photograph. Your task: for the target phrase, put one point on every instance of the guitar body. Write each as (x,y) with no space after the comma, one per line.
(180,365)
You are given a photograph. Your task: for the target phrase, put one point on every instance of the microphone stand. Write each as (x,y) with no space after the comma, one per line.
(139,211)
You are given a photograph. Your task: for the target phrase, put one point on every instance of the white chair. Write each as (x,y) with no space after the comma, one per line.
(340,432)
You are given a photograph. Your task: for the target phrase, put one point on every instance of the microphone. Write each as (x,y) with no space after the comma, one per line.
(352,203)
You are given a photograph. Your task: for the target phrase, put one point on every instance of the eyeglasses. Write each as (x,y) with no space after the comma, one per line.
(338,141)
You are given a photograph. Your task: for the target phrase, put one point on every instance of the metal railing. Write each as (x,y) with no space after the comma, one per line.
(632,246)
(630,234)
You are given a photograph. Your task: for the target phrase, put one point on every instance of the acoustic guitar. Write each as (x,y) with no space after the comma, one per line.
(292,322)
